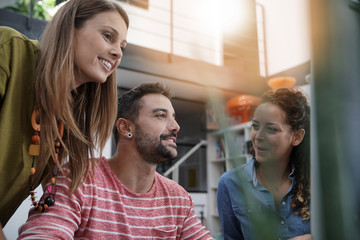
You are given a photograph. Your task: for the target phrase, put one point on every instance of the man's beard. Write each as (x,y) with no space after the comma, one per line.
(151,148)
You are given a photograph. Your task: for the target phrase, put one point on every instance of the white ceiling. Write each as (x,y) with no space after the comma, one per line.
(181,89)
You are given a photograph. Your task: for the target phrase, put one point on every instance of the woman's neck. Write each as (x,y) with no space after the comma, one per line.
(272,174)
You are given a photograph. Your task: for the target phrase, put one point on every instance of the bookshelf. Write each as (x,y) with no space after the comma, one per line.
(227,148)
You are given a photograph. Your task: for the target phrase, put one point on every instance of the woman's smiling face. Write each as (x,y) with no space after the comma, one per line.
(272,137)
(99,45)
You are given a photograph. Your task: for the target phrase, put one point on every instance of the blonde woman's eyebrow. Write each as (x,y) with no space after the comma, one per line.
(112,29)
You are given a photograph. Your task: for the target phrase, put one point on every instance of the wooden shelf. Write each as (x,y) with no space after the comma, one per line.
(226,148)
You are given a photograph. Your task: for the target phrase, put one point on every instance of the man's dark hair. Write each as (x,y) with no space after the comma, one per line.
(129,102)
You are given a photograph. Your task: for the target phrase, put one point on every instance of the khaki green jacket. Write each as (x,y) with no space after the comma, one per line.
(18,57)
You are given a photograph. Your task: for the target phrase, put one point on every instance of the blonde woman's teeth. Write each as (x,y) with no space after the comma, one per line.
(106,63)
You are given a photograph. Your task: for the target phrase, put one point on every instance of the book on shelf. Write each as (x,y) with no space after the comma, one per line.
(220,148)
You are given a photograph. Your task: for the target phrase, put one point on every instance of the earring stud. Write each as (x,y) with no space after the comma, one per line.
(129,135)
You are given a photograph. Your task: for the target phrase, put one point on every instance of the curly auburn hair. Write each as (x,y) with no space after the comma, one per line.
(297,110)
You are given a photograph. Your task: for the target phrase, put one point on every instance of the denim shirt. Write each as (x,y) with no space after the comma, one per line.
(240,198)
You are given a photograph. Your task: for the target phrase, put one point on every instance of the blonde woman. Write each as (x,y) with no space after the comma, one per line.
(58,97)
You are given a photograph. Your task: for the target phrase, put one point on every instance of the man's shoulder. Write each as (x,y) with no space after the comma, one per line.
(167,181)
(170,185)
(96,169)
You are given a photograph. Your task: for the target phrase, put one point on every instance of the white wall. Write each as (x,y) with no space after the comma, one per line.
(196,31)
(287,33)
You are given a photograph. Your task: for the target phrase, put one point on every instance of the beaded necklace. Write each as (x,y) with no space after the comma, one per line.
(34,151)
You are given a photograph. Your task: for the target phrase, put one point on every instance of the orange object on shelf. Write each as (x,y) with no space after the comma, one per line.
(243,105)
(281,82)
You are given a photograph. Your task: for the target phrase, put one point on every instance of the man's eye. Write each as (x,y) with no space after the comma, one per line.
(161,116)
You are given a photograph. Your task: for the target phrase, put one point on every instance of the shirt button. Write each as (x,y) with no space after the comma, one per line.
(283,203)
(282,222)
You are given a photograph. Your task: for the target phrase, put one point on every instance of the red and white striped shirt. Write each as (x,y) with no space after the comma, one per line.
(103,208)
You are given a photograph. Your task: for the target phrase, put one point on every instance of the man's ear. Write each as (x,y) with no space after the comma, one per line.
(124,127)
(298,137)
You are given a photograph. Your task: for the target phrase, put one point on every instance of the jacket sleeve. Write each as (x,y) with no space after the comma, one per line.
(18,56)
(3,81)
(4,63)
(230,225)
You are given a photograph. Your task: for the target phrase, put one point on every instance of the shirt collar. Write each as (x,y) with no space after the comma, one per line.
(292,174)
(251,173)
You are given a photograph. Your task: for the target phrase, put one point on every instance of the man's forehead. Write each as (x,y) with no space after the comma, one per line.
(156,102)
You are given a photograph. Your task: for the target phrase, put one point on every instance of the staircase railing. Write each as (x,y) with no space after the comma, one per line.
(175,168)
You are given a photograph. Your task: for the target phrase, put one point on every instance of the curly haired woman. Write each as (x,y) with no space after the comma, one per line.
(270,194)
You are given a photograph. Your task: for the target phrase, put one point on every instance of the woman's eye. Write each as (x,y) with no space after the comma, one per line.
(272,130)
(108,36)
(255,126)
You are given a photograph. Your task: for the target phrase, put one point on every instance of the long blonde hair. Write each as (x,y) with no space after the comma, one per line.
(88,112)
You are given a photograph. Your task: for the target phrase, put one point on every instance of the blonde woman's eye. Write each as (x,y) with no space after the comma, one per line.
(108,36)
